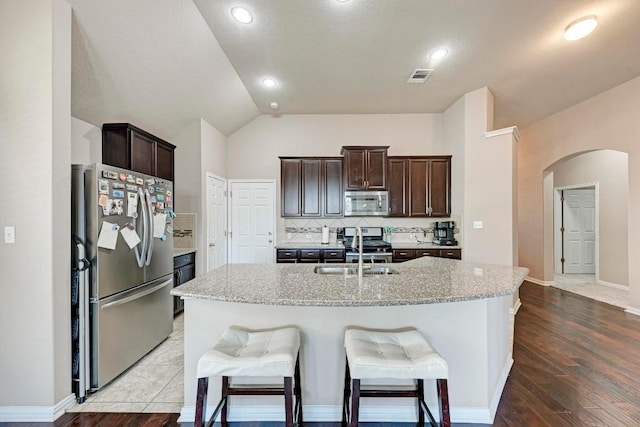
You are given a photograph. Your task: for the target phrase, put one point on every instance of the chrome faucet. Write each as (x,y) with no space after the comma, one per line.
(357,244)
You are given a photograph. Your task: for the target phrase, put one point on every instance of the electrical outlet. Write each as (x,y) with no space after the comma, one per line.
(478,225)
(9,234)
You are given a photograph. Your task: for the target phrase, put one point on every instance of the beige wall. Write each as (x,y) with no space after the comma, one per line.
(35,54)
(609,170)
(606,121)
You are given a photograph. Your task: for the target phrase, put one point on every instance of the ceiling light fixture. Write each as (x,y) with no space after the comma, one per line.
(241,15)
(274,105)
(581,27)
(439,53)
(269,82)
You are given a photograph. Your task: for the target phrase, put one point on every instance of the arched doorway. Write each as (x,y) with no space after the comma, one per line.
(604,173)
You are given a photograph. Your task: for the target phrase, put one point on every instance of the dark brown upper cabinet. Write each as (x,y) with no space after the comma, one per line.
(311,186)
(365,167)
(420,186)
(128,147)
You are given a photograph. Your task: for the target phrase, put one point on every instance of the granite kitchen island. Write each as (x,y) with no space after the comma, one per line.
(464,309)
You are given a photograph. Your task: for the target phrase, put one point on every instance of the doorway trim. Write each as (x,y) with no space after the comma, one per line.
(207,213)
(557,223)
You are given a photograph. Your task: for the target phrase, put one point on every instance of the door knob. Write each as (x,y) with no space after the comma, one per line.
(270,240)
(211,245)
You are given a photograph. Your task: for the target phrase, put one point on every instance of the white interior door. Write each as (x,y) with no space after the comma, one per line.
(216,221)
(252,221)
(579,215)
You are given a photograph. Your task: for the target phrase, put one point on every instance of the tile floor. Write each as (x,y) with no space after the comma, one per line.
(585,285)
(154,384)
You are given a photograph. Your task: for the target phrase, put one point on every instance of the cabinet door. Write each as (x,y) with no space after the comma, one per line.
(333,194)
(143,154)
(290,185)
(354,169)
(376,172)
(418,203)
(439,187)
(311,189)
(164,161)
(398,187)
(115,147)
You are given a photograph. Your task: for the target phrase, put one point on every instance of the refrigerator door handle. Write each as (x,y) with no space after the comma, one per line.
(142,253)
(151,227)
(137,295)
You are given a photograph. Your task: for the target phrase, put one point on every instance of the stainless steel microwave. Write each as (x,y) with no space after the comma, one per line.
(366,203)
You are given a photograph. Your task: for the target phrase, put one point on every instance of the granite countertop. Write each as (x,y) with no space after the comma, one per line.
(425,245)
(181,251)
(309,245)
(426,280)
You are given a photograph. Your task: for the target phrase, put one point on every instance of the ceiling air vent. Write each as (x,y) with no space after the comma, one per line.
(420,75)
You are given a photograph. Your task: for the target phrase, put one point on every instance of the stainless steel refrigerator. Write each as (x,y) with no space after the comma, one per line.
(122,262)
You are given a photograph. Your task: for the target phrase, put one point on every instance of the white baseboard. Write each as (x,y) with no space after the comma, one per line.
(538,281)
(514,310)
(502,381)
(613,285)
(368,413)
(633,310)
(36,413)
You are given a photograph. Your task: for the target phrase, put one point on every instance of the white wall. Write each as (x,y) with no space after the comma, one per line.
(200,148)
(609,169)
(608,120)
(35,58)
(86,142)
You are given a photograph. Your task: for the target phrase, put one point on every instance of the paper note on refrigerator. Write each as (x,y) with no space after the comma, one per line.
(132,205)
(159,224)
(108,235)
(130,236)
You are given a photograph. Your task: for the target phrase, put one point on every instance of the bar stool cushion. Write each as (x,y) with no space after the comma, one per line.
(401,355)
(248,353)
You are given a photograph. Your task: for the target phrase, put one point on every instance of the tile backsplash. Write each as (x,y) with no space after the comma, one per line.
(405,230)
(185,231)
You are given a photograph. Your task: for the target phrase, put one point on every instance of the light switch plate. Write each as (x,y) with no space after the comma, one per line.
(478,225)
(9,234)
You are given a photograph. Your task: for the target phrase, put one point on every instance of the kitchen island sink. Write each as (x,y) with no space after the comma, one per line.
(347,271)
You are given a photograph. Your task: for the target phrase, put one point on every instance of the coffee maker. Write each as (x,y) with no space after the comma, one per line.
(443,233)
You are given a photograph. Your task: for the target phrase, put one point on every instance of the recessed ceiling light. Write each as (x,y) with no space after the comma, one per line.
(269,82)
(274,105)
(438,53)
(581,27)
(241,15)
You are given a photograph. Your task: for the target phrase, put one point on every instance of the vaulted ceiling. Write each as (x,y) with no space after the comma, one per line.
(167,62)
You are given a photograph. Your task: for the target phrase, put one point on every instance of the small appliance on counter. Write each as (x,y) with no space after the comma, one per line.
(443,233)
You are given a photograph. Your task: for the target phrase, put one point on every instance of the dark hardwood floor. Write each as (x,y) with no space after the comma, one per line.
(577,363)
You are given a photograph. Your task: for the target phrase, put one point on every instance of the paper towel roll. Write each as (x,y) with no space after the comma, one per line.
(325,234)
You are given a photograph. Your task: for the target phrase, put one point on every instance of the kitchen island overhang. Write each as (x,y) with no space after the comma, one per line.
(464,309)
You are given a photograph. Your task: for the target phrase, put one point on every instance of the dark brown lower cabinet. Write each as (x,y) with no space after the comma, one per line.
(313,255)
(401,255)
(184,269)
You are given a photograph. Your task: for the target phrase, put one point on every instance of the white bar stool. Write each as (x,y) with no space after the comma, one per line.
(396,355)
(251,353)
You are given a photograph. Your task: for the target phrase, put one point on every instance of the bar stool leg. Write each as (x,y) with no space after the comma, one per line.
(443,396)
(225,397)
(420,390)
(298,393)
(355,401)
(288,401)
(201,402)
(347,392)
